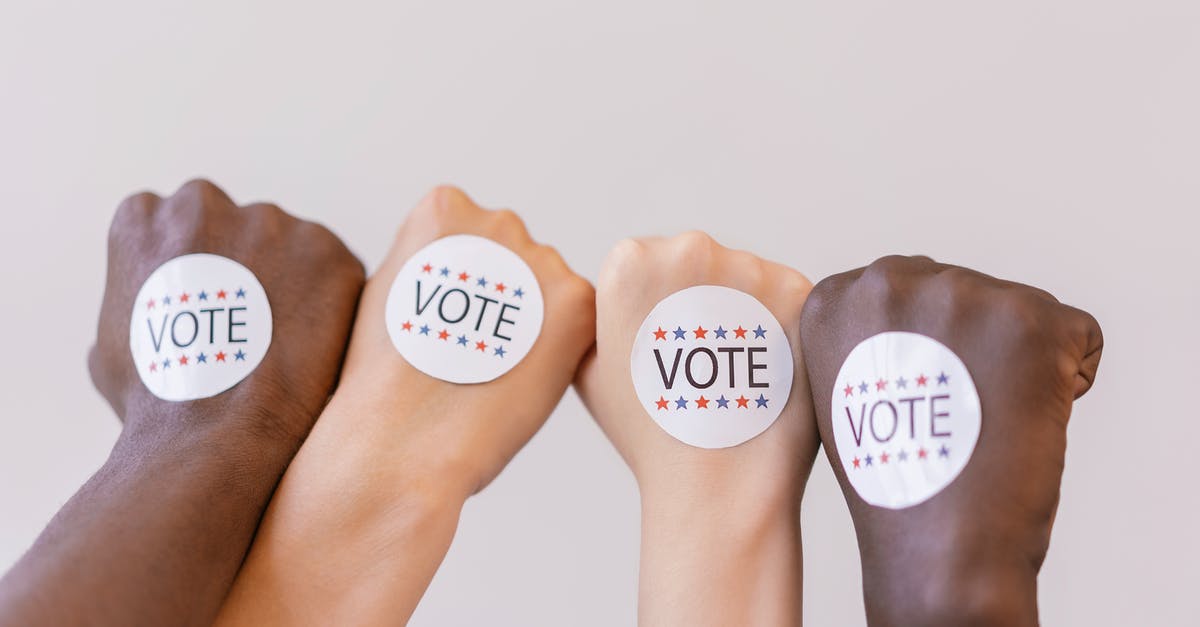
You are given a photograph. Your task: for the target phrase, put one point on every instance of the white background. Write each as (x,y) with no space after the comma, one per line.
(1052,142)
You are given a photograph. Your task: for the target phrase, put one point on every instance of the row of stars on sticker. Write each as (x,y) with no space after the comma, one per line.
(700,333)
(184,297)
(461,340)
(902,456)
(722,402)
(479,281)
(199,358)
(882,384)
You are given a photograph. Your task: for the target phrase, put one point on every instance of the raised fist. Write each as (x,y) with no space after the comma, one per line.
(694,380)
(288,309)
(942,396)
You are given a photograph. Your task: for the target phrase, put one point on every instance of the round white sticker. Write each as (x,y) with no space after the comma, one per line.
(711,366)
(464,309)
(906,418)
(200,324)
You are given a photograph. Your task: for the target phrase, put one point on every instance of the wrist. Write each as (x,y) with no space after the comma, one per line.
(720,557)
(206,447)
(376,443)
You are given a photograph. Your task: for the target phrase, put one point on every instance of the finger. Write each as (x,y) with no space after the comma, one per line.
(188,208)
(1090,341)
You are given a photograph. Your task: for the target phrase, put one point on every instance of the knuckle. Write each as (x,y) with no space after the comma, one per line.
(200,187)
(624,257)
(1021,314)
(888,267)
(133,211)
(794,282)
(882,281)
(447,200)
(507,223)
(694,242)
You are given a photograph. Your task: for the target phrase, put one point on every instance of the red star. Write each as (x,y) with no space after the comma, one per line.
(183,360)
(700,331)
(883,457)
(739,332)
(880,385)
(661,402)
(426,268)
(407,326)
(849,390)
(463,276)
(220,355)
(856,462)
(443,334)
(702,403)
(500,287)
(150,304)
(742,400)
(658,335)
(921,380)
(154,366)
(922,454)
(221,295)
(480,346)
(183,298)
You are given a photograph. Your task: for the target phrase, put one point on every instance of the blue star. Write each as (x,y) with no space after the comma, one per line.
(239,356)
(203,295)
(166,300)
(481,282)
(903,455)
(424,329)
(868,459)
(902,383)
(761,400)
(444,272)
(863,387)
(680,333)
(681,403)
(943,379)
(944,452)
(499,351)
(760,332)
(722,402)
(519,293)
(166,364)
(241,293)
(201,358)
(720,332)
(462,340)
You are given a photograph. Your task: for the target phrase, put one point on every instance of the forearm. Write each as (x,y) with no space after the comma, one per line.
(978,582)
(356,531)
(154,537)
(719,557)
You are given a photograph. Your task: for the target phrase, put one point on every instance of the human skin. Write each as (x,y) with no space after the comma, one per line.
(368,509)
(156,536)
(969,555)
(720,527)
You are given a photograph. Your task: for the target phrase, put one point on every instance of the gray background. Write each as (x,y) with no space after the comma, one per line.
(1055,143)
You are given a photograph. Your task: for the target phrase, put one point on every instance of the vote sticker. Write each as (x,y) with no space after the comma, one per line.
(200,324)
(711,366)
(906,418)
(464,309)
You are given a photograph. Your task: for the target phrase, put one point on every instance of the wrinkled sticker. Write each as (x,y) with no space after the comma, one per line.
(200,324)
(712,366)
(906,418)
(464,309)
